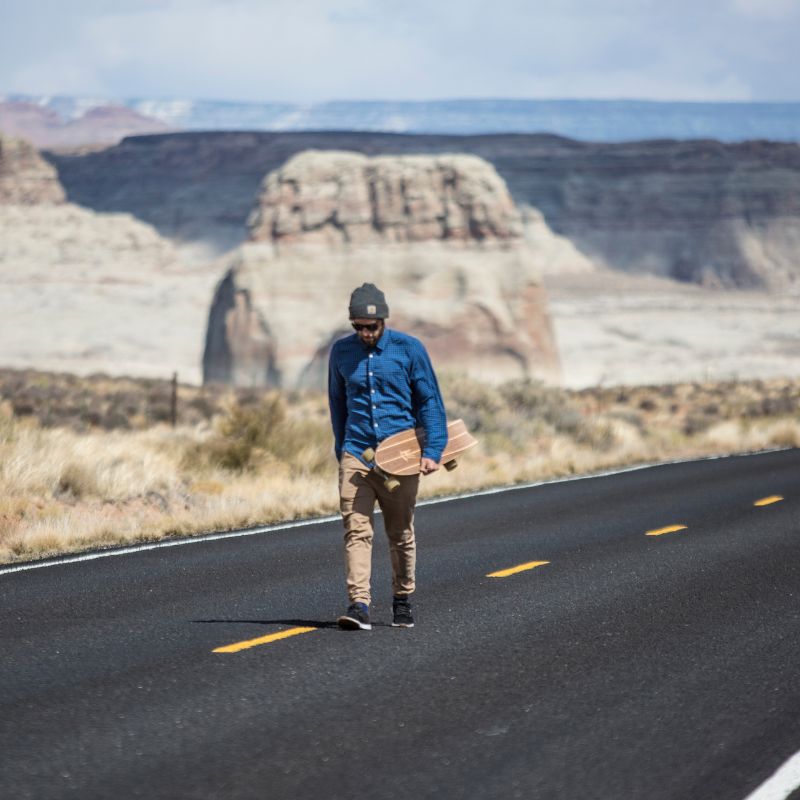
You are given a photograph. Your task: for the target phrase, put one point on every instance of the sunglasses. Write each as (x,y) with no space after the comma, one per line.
(371,327)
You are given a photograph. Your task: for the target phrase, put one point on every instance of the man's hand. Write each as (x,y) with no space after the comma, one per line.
(428,465)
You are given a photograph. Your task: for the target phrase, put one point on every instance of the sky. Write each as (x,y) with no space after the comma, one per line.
(310,51)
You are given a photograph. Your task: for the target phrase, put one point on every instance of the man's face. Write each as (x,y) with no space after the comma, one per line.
(368,330)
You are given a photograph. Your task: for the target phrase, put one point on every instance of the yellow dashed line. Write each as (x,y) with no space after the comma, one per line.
(768,501)
(504,573)
(668,529)
(272,637)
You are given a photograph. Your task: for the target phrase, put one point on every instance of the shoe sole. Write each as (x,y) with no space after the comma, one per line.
(351,624)
(402,624)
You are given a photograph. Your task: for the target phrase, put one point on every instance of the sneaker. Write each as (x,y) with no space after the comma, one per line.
(356,618)
(401,609)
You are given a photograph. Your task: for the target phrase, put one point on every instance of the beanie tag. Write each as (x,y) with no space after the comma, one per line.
(372,309)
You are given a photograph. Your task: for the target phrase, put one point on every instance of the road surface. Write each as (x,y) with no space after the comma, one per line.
(655,654)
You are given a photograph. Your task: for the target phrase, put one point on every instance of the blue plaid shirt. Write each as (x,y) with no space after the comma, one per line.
(376,392)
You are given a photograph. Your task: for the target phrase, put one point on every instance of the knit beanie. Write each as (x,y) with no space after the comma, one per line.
(368,302)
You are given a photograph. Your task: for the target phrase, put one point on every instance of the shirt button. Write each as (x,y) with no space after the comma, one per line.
(370,374)
(371,354)
(374,407)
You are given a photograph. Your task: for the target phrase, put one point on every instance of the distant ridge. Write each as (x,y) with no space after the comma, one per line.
(584,120)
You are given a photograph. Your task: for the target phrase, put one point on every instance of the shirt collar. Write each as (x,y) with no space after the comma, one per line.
(380,344)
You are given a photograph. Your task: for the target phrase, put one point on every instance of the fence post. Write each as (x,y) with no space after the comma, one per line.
(174,400)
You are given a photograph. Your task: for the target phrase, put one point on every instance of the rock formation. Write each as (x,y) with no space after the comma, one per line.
(440,235)
(695,211)
(25,177)
(722,216)
(83,291)
(343,198)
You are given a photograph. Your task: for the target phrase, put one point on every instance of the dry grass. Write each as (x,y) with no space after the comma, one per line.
(246,459)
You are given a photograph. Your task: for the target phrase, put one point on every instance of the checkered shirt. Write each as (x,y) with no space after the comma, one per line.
(376,392)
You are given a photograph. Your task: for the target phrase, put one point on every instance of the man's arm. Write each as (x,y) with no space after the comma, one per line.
(337,403)
(429,408)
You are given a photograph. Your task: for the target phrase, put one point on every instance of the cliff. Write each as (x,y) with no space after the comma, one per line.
(696,211)
(25,177)
(440,235)
(86,291)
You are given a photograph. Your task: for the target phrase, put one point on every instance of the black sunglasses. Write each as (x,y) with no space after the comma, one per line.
(371,326)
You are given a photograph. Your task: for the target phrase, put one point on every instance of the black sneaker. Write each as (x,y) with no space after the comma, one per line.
(356,618)
(401,609)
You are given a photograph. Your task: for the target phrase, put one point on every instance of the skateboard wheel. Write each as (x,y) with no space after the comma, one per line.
(451,465)
(368,454)
(391,484)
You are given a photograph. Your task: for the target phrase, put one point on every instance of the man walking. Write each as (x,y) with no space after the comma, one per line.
(380,382)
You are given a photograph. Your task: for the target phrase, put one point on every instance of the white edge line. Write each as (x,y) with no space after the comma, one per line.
(592,475)
(781,784)
(209,537)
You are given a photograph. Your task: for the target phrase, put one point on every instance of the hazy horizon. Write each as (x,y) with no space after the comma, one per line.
(6,95)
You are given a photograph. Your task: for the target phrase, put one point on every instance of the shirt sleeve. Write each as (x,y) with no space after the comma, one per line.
(337,403)
(428,404)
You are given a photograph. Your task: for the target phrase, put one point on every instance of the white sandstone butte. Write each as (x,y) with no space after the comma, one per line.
(439,234)
(83,291)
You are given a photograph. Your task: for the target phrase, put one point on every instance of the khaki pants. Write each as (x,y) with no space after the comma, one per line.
(359,489)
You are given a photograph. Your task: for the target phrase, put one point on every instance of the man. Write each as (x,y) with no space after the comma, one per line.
(380,382)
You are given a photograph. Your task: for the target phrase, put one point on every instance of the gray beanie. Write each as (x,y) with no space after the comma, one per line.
(368,302)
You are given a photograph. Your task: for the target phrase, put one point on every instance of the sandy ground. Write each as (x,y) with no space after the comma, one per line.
(141,329)
(84,292)
(611,328)
(614,328)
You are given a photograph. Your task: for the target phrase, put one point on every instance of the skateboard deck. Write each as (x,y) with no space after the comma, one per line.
(400,454)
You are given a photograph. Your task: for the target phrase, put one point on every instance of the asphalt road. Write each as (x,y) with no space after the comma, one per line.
(628,666)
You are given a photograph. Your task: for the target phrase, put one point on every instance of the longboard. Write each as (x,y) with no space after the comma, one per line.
(400,454)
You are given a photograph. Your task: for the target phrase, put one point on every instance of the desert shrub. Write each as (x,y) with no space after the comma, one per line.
(159,411)
(244,432)
(630,417)
(534,400)
(77,480)
(6,419)
(599,435)
(784,404)
(478,404)
(785,434)
(257,436)
(511,416)
(202,405)
(698,422)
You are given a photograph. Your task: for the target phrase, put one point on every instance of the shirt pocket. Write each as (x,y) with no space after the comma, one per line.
(396,381)
(355,375)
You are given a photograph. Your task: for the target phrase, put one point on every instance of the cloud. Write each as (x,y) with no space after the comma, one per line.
(767,9)
(315,50)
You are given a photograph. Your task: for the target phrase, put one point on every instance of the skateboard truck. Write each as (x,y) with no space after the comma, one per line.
(389,482)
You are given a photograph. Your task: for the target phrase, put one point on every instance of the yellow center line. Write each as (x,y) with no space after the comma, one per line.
(504,573)
(668,529)
(272,637)
(768,501)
